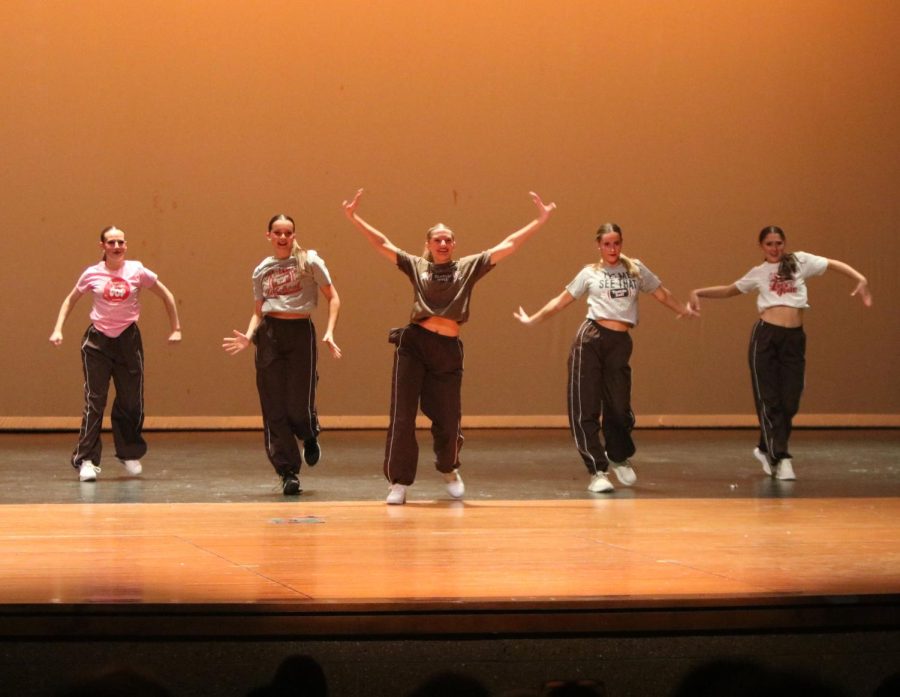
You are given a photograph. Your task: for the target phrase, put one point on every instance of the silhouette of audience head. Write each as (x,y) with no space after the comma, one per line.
(297,676)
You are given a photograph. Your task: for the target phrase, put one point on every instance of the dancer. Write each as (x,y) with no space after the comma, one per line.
(599,388)
(778,343)
(285,290)
(428,360)
(111,348)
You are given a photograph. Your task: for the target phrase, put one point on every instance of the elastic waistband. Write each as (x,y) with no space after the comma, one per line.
(607,329)
(285,320)
(778,327)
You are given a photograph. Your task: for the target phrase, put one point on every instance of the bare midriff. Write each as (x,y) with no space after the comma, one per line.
(287,315)
(440,325)
(783,316)
(613,324)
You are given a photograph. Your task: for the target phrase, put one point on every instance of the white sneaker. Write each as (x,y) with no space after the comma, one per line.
(784,470)
(133,467)
(397,495)
(600,483)
(624,472)
(455,486)
(88,471)
(761,456)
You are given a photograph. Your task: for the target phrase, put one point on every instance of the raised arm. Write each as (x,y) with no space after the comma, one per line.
(712,292)
(238,341)
(334,307)
(862,285)
(558,303)
(516,239)
(376,238)
(664,295)
(56,337)
(171,309)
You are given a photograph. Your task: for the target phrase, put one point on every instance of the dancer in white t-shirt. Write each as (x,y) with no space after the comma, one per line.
(778,342)
(599,389)
(111,349)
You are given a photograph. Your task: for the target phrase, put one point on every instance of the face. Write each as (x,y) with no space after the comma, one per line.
(610,246)
(441,245)
(281,236)
(114,245)
(773,247)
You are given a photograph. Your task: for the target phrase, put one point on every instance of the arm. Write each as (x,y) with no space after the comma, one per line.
(334,307)
(171,309)
(712,292)
(238,342)
(664,295)
(56,337)
(862,285)
(558,303)
(377,239)
(516,239)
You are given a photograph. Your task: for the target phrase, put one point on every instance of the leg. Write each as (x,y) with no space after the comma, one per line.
(97,367)
(442,401)
(585,373)
(401,451)
(127,414)
(615,390)
(793,367)
(271,383)
(765,377)
(302,378)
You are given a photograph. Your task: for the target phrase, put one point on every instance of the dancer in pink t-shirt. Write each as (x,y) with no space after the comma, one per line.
(111,349)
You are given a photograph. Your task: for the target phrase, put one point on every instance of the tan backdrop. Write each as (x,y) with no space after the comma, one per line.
(691,124)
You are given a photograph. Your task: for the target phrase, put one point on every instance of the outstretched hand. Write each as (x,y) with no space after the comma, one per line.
(56,338)
(544,210)
(236,343)
(351,205)
(689,311)
(862,290)
(522,316)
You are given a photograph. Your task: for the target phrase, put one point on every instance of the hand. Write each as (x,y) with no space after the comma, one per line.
(689,311)
(694,303)
(862,290)
(351,205)
(544,210)
(175,337)
(236,343)
(522,316)
(56,338)
(328,340)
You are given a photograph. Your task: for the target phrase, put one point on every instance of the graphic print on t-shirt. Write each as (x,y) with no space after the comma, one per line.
(619,284)
(116,290)
(781,286)
(281,281)
(440,275)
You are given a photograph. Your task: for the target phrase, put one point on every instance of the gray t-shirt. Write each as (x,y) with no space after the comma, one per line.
(612,293)
(443,290)
(282,288)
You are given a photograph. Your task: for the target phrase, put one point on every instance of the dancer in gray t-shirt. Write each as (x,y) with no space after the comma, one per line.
(599,373)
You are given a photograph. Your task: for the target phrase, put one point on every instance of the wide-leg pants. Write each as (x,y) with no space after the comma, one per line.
(428,370)
(286,359)
(777,358)
(121,359)
(599,395)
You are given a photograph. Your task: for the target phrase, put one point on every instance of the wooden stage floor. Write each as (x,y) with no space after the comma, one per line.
(205,545)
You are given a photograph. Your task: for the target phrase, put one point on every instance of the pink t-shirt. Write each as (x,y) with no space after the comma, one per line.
(116,294)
